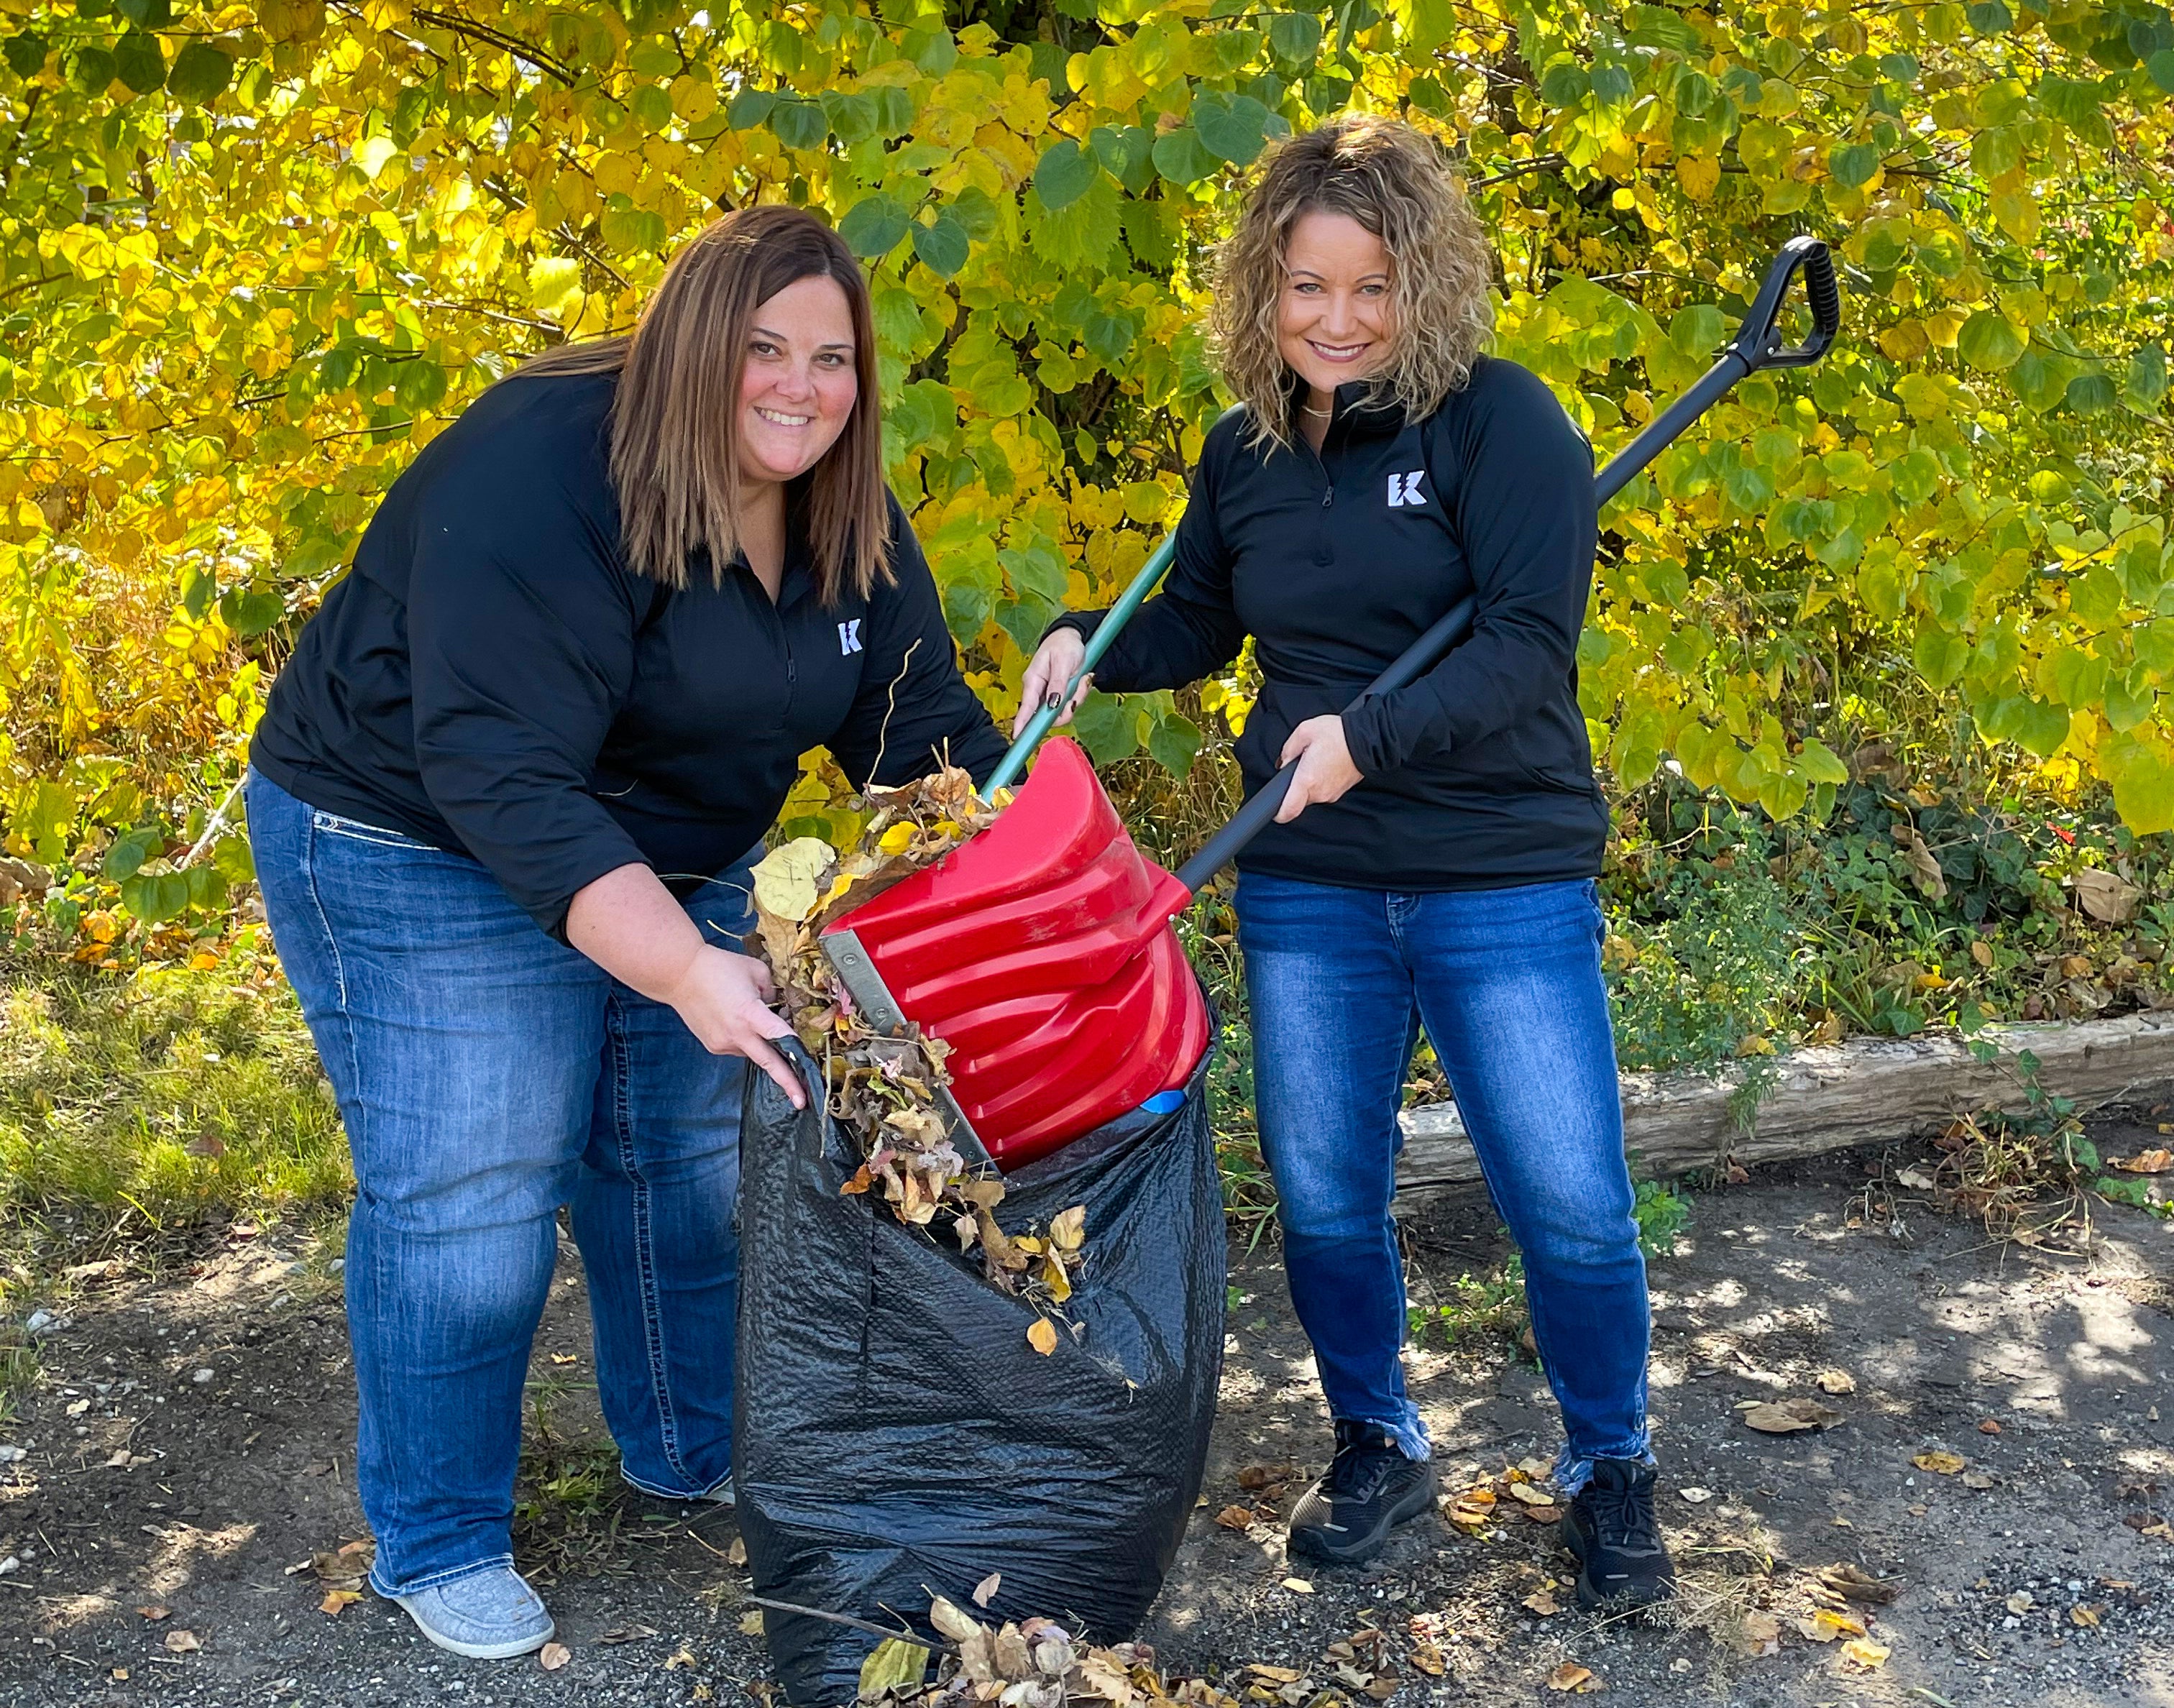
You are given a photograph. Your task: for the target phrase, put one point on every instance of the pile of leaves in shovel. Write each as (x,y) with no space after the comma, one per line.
(1036,1663)
(884,1089)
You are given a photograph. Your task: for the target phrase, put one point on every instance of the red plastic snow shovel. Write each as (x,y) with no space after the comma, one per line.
(1042,950)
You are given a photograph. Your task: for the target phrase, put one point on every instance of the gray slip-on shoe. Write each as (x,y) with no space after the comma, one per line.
(489,1615)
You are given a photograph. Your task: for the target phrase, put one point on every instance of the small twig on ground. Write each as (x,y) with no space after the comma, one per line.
(846,1619)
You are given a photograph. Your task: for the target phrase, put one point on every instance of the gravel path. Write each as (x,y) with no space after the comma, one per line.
(188,1448)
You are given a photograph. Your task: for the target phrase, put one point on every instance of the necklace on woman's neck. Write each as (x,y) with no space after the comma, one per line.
(1311,410)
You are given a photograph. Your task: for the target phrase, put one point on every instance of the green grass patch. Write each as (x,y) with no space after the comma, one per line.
(162,1095)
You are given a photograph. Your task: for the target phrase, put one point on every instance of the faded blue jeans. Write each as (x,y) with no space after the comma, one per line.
(1508,985)
(487,1074)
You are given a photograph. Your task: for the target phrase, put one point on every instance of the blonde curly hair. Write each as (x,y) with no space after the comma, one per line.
(1396,183)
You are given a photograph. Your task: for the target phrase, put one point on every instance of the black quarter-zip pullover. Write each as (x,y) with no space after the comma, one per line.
(1479,775)
(494,678)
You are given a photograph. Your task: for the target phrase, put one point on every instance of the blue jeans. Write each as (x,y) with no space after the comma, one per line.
(487,1074)
(1508,984)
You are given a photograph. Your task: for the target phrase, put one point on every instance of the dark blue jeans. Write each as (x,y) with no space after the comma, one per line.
(487,1075)
(1508,985)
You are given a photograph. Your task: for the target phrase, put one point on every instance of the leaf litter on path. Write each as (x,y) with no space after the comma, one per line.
(886,1089)
(1787,1416)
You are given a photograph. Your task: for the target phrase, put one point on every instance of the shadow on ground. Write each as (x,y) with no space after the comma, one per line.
(186,1458)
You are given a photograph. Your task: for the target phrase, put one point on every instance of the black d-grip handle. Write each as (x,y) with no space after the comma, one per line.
(1758,341)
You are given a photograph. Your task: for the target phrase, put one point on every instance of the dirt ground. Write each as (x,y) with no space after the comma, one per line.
(188,1446)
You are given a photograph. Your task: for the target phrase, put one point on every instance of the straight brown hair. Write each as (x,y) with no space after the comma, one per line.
(675,422)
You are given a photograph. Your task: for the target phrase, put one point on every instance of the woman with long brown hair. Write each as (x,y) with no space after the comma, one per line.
(1435,859)
(503,802)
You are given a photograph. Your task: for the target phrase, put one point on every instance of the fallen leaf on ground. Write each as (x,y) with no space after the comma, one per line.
(1825,1625)
(2021,1602)
(1762,1634)
(154,1613)
(1298,1585)
(564,1358)
(182,1643)
(1274,1675)
(1924,869)
(682,1660)
(1532,1495)
(1977,1479)
(1428,1658)
(1236,1517)
(1042,1336)
(625,1633)
(1697,1497)
(1915,1178)
(338,1601)
(1857,1584)
(1945,1464)
(1835,1381)
(2147,1162)
(893,1664)
(1991,1426)
(1787,1416)
(1570,1676)
(1541,1601)
(985,1591)
(1866,1653)
(2083,1616)
(1264,1476)
(751,1624)
(554,1656)
(736,1554)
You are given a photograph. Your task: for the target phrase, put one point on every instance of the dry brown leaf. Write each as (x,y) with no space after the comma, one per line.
(1787,1416)
(1531,1493)
(751,1624)
(1428,1657)
(338,1601)
(553,1655)
(1265,1476)
(2145,1162)
(1943,1463)
(155,1613)
(985,1591)
(1236,1517)
(951,1620)
(1863,1651)
(1977,1479)
(681,1661)
(2083,1616)
(2106,897)
(1991,1426)
(1762,1634)
(1855,1584)
(1042,1336)
(1298,1585)
(1825,1625)
(1924,870)
(625,1633)
(1274,1675)
(1541,1601)
(1570,1676)
(736,1551)
(1836,1381)
(182,1643)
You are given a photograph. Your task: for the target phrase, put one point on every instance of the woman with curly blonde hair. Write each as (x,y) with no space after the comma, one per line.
(1377,469)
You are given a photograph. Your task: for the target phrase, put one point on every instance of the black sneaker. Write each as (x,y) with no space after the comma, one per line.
(1622,1561)
(1370,1489)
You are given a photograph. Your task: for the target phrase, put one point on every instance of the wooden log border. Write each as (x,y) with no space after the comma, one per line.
(1829,1097)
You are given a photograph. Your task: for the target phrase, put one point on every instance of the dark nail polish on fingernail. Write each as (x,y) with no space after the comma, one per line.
(1054,701)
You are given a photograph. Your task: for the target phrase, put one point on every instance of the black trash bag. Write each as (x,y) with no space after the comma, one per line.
(895,1435)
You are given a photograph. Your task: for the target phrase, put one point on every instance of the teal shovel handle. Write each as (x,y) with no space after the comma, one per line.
(1151,572)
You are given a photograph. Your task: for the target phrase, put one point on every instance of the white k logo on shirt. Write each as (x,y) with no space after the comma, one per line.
(849,638)
(1404,489)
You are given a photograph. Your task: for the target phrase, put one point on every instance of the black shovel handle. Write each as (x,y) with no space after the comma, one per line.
(1757,344)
